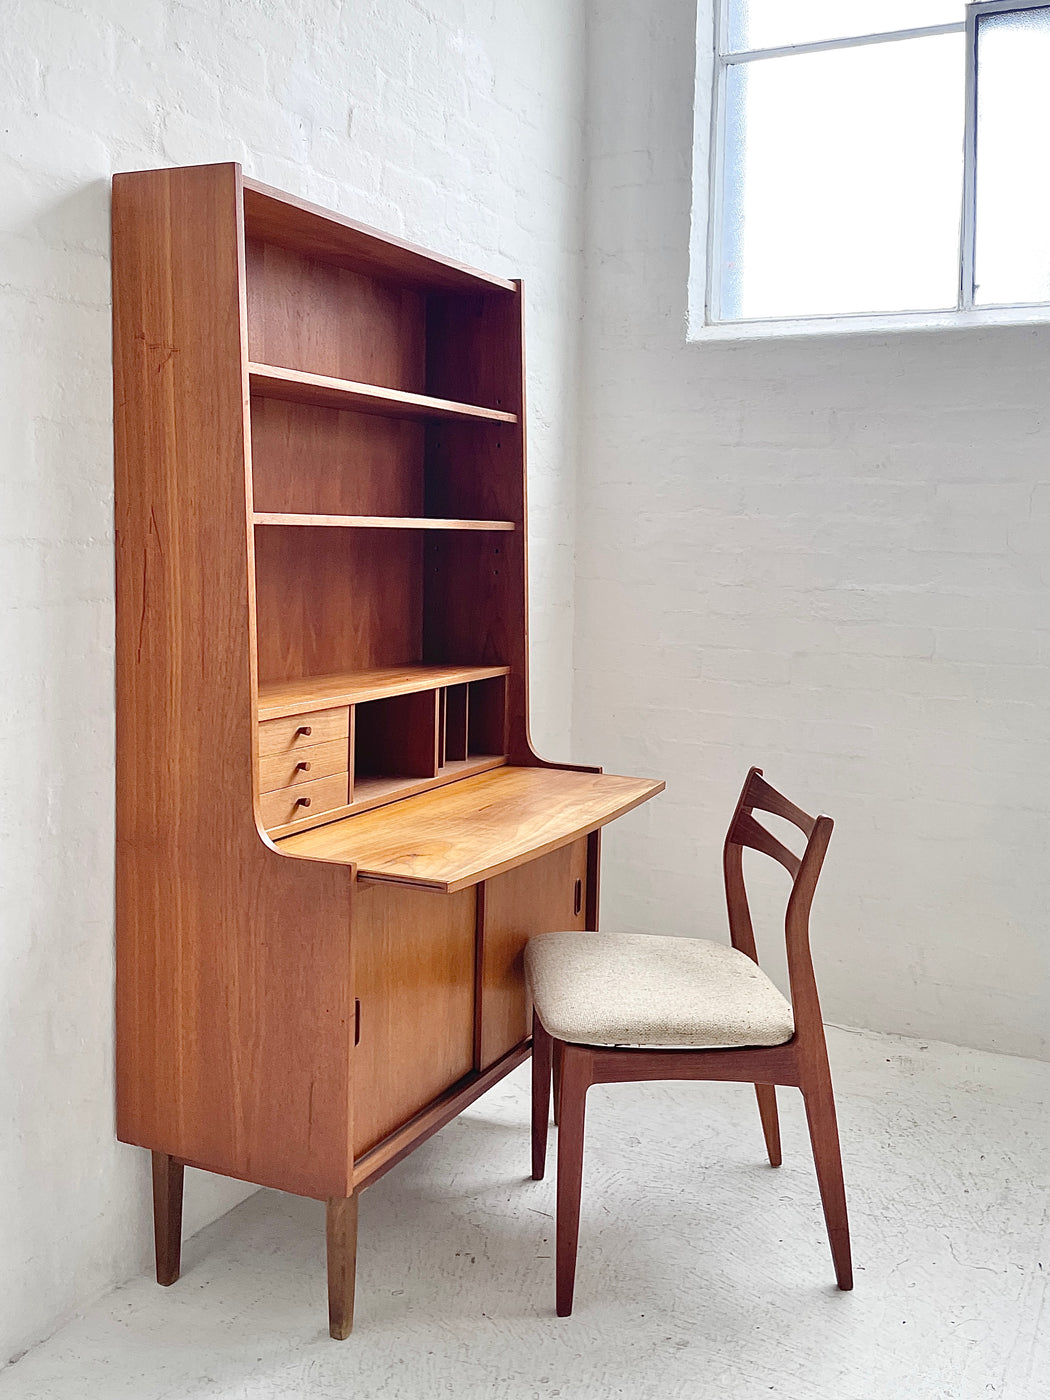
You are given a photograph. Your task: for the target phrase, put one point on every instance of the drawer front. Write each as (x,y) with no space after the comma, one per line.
(303,731)
(305,800)
(303,765)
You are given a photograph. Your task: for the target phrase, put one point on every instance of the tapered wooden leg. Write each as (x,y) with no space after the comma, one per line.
(541,1095)
(341,1235)
(557,1053)
(767,1108)
(168,1176)
(824,1135)
(575,1080)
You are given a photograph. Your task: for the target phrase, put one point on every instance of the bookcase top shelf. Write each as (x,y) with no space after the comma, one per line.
(321,390)
(378,522)
(280,698)
(276,217)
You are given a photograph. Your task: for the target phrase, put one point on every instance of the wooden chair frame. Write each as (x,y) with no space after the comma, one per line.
(802,1062)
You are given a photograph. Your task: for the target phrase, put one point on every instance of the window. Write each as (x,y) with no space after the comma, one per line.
(879,158)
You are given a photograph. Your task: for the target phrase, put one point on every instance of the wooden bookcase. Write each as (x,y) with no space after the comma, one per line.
(333,835)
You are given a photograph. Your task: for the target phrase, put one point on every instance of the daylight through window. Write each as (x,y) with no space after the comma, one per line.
(879,156)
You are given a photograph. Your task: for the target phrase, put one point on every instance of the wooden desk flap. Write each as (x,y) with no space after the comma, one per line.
(457,835)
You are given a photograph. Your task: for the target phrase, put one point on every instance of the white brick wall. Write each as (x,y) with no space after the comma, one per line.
(827,557)
(455,124)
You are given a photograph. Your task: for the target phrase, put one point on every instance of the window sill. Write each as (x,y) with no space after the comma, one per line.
(890,323)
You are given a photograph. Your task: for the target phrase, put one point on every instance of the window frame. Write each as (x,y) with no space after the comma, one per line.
(965,312)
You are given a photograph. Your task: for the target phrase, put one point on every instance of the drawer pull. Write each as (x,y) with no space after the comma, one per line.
(302,801)
(302,767)
(577,897)
(305,730)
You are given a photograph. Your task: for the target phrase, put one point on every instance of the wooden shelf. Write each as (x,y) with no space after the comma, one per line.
(291,222)
(273,382)
(378,522)
(305,693)
(471,830)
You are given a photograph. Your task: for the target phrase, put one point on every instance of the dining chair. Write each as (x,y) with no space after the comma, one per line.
(613,1007)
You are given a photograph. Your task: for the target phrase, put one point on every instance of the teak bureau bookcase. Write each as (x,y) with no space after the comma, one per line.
(333,836)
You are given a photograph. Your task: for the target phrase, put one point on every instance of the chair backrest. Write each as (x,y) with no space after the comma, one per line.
(745,830)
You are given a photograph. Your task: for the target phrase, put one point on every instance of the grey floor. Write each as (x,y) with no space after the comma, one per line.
(703,1273)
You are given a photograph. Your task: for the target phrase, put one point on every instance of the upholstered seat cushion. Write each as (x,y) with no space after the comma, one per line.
(647,990)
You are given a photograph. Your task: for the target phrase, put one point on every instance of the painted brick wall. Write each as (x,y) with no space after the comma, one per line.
(828,557)
(456,124)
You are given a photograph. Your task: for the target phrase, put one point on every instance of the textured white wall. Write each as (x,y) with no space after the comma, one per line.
(826,557)
(456,124)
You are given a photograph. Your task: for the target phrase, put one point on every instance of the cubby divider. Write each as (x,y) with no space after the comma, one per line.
(487,717)
(456,723)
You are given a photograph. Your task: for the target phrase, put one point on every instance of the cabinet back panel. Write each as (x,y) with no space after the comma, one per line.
(473,471)
(323,461)
(470,616)
(336,600)
(473,350)
(309,315)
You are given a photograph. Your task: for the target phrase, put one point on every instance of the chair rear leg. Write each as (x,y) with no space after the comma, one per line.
(575,1081)
(556,1051)
(541,1095)
(767,1108)
(827,1158)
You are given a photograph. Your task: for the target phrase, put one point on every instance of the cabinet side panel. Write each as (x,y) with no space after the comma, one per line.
(547,894)
(233,1001)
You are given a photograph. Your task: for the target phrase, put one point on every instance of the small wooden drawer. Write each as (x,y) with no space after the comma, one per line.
(303,765)
(283,736)
(305,800)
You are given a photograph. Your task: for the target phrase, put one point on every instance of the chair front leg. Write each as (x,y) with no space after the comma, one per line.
(576,1064)
(541,1095)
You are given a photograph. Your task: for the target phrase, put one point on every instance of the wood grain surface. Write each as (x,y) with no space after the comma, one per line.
(328,391)
(293,696)
(474,829)
(234,1011)
(414,977)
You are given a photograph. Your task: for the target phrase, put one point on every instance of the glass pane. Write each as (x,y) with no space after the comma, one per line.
(768,24)
(1012,255)
(842,183)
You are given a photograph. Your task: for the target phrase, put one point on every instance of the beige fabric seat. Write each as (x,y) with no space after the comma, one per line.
(649,991)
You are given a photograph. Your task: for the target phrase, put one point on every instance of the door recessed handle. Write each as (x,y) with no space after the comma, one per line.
(357,1020)
(577,897)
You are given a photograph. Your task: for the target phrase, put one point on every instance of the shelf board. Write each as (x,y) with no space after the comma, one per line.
(273,382)
(305,693)
(470,830)
(284,219)
(378,522)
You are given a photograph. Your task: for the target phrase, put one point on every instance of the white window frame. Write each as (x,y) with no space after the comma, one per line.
(705,319)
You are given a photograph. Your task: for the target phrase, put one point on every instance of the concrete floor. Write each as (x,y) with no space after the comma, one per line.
(703,1273)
